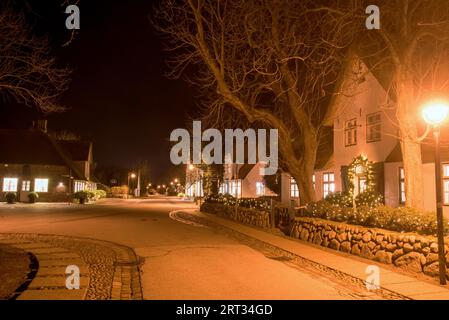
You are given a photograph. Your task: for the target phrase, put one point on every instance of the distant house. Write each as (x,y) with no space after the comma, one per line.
(244,181)
(31,160)
(194,181)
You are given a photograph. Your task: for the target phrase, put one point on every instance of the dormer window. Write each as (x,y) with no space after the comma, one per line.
(351,132)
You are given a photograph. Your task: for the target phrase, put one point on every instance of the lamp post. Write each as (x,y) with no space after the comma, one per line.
(434,113)
(132,176)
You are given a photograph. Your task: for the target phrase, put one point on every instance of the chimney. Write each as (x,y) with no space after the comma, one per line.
(40,125)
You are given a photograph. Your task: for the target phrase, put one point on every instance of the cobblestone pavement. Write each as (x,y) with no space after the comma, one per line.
(108,270)
(346,284)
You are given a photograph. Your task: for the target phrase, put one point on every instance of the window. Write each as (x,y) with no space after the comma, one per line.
(373,127)
(199,189)
(236,188)
(10,184)
(313,181)
(41,185)
(446,184)
(328,183)
(362,184)
(79,186)
(260,188)
(224,188)
(351,132)
(26,185)
(402,186)
(294,191)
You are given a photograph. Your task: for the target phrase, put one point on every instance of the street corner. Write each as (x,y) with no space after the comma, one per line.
(52,267)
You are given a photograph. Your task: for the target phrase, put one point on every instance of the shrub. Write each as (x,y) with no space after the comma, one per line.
(342,199)
(262,203)
(402,219)
(32,197)
(368,199)
(119,192)
(99,194)
(83,196)
(10,197)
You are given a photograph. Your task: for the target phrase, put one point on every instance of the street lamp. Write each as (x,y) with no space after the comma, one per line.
(435,113)
(131,175)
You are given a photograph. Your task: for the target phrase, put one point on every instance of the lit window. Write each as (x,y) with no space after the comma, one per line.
(351,132)
(294,191)
(41,185)
(328,183)
(79,186)
(199,189)
(446,183)
(362,184)
(402,187)
(313,181)
(236,188)
(26,185)
(260,188)
(373,127)
(10,184)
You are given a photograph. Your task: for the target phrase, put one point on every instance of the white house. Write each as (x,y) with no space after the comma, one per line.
(365,125)
(244,181)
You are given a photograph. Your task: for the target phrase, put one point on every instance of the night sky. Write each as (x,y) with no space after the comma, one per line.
(119,97)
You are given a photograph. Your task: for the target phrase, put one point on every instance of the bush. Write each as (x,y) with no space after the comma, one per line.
(10,197)
(99,194)
(402,219)
(119,192)
(262,203)
(32,197)
(83,196)
(342,199)
(368,199)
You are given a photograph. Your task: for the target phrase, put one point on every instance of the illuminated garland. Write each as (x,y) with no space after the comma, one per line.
(362,167)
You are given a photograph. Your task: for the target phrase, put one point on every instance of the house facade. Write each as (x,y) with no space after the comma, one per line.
(364,125)
(245,181)
(194,181)
(32,161)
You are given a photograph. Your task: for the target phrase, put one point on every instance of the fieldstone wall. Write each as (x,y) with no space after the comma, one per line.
(249,216)
(411,252)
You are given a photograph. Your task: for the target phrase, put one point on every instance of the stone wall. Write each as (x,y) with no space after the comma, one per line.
(252,217)
(411,252)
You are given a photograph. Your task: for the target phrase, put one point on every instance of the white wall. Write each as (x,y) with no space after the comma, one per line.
(369,97)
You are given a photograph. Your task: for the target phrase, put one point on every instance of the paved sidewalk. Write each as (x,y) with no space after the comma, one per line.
(107,270)
(390,279)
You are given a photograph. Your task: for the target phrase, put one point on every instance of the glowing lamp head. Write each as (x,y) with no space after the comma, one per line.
(133,175)
(435,112)
(191,167)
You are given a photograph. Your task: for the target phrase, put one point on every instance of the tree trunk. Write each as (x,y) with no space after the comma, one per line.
(302,174)
(410,145)
(414,191)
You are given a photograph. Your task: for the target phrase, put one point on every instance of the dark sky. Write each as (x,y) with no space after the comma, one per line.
(119,97)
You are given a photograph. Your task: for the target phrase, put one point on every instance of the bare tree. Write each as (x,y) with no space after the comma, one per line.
(28,73)
(412,47)
(273,61)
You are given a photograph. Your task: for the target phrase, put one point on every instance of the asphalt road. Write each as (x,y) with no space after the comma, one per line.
(182,261)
